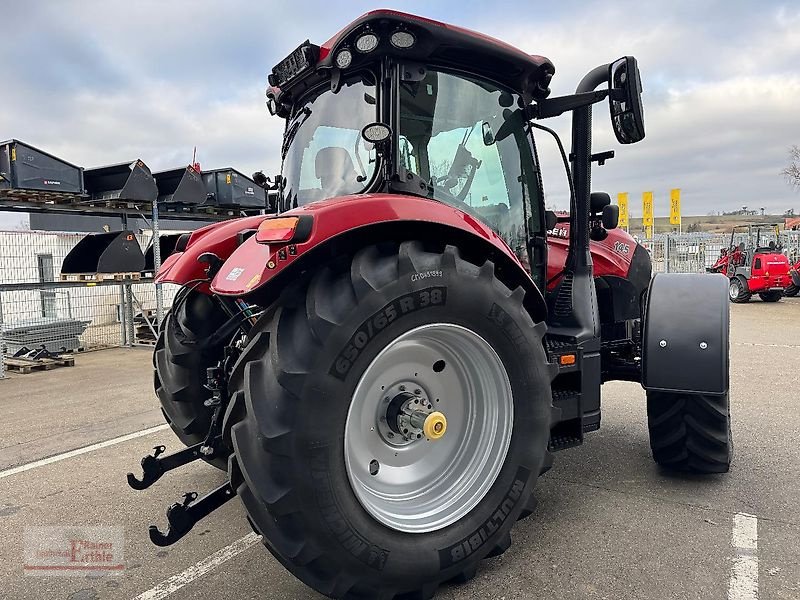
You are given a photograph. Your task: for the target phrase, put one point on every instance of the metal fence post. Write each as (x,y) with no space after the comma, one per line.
(666,253)
(131,333)
(157,266)
(123,330)
(2,343)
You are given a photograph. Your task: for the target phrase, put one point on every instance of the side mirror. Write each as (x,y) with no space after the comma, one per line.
(625,100)
(610,218)
(550,220)
(598,201)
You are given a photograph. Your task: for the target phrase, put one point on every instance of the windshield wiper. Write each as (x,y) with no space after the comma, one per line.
(293,129)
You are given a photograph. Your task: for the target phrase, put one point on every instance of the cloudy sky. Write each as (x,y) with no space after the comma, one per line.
(103,81)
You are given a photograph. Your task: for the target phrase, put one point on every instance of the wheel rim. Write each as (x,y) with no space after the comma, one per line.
(404,480)
(734,290)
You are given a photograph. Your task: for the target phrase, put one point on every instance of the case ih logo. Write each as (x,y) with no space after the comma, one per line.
(76,551)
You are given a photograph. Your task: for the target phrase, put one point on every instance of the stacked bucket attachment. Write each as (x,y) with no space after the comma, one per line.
(228,188)
(125,182)
(181,187)
(27,173)
(166,245)
(116,252)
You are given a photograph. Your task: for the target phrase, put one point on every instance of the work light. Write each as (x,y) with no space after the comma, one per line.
(402,39)
(367,42)
(344,59)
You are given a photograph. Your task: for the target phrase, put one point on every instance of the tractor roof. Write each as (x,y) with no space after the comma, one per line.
(433,43)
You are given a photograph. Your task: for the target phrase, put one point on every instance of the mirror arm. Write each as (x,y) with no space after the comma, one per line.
(553,107)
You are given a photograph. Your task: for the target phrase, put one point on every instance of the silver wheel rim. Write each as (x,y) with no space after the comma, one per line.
(418,485)
(734,290)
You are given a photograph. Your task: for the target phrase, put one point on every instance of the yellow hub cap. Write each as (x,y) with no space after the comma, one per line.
(435,426)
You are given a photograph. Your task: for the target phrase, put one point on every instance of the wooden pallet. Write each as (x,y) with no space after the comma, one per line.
(135,276)
(41,196)
(28,365)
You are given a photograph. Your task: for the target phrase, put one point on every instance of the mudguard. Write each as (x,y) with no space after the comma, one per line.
(254,264)
(685,340)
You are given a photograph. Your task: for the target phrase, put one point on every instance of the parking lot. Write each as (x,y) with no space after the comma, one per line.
(609,523)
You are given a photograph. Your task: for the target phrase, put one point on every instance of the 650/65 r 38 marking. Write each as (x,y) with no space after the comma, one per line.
(399,307)
(331,457)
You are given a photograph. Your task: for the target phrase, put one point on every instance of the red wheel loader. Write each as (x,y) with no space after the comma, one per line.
(386,367)
(757,267)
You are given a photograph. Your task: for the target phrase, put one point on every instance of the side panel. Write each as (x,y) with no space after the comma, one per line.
(612,256)
(685,341)
(252,264)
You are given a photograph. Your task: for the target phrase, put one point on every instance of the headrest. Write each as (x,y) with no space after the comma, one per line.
(333,161)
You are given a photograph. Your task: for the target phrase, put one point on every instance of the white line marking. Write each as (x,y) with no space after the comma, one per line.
(744,572)
(197,570)
(79,451)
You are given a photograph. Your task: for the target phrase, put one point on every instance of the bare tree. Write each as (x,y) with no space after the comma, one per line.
(792,172)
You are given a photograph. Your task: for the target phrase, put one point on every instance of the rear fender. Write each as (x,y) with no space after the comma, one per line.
(685,338)
(260,271)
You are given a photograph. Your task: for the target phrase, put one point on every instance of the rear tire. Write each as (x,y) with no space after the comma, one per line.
(738,292)
(291,425)
(690,432)
(180,368)
(770,296)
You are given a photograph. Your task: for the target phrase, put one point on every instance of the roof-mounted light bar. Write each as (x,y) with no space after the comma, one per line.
(301,60)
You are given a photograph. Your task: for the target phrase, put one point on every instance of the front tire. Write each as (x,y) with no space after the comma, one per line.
(347,510)
(738,292)
(791,291)
(690,432)
(180,368)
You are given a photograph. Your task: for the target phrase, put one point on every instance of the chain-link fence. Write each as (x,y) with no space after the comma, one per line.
(39,311)
(695,252)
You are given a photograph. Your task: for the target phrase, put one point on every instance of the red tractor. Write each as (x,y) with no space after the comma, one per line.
(754,268)
(385,367)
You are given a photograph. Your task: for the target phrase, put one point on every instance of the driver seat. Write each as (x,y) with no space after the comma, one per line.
(334,168)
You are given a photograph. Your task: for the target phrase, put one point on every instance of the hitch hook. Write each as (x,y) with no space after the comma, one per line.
(154,467)
(182,516)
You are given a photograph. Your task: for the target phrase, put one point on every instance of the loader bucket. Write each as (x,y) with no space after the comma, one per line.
(113,252)
(228,188)
(23,167)
(180,186)
(166,244)
(125,181)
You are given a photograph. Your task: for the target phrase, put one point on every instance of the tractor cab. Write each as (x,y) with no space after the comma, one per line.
(757,264)
(403,105)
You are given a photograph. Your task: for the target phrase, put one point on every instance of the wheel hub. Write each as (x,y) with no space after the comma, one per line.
(428,428)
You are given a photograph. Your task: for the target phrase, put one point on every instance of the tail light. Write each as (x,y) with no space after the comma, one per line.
(284,230)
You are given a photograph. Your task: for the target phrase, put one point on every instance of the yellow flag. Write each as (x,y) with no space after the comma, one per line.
(622,202)
(675,207)
(647,209)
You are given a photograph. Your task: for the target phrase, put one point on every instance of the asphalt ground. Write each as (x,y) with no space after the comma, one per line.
(610,524)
